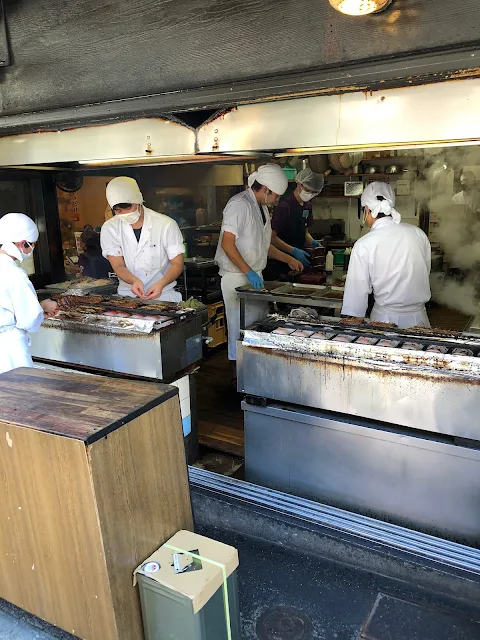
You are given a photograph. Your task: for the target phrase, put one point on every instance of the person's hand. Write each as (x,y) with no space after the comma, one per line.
(138,288)
(255,280)
(302,256)
(294,265)
(50,307)
(316,243)
(154,291)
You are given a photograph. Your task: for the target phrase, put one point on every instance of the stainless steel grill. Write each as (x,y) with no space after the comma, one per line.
(139,346)
(388,431)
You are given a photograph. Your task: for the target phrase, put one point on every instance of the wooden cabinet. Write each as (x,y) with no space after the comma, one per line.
(217,331)
(93,479)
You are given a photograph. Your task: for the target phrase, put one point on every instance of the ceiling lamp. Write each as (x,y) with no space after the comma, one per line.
(359,7)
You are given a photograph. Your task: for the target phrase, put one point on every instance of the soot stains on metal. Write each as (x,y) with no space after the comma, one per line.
(378,369)
(284,623)
(81,329)
(380,359)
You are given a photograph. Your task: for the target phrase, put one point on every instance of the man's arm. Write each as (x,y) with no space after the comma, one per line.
(174,271)
(230,248)
(280,244)
(358,285)
(276,254)
(118,265)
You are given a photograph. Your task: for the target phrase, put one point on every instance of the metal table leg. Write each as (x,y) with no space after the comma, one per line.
(242,314)
(185,281)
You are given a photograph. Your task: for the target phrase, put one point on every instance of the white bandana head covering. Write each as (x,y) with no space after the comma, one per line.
(385,205)
(271,176)
(15,227)
(123,190)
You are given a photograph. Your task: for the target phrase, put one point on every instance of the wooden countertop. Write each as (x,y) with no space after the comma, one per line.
(77,406)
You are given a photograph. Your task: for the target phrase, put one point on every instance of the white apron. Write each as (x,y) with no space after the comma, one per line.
(405,320)
(255,311)
(171,295)
(14,350)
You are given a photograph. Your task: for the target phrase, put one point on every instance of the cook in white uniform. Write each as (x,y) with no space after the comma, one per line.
(393,261)
(244,245)
(20,311)
(145,248)
(468,196)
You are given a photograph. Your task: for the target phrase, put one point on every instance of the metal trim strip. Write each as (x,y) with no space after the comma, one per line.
(421,545)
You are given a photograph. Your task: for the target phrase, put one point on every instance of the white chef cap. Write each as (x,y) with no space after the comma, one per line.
(15,227)
(123,189)
(271,176)
(386,203)
(312,181)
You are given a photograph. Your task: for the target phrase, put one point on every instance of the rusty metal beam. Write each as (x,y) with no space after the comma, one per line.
(374,74)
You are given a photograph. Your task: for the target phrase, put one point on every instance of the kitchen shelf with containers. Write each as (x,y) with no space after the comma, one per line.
(345,186)
(201,241)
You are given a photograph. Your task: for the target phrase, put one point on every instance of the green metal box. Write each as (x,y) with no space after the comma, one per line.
(182,590)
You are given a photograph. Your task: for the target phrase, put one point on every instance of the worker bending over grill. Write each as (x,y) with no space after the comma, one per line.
(291,220)
(145,248)
(393,262)
(245,243)
(20,311)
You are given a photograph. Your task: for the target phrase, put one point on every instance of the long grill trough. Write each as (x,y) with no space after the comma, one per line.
(369,418)
(156,340)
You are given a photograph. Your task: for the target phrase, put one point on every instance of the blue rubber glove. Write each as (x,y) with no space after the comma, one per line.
(255,280)
(302,256)
(316,243)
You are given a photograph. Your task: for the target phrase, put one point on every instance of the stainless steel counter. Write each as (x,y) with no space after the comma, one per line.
(272,293)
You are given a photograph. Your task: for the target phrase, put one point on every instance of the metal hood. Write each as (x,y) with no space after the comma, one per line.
(136,139)
(434,114)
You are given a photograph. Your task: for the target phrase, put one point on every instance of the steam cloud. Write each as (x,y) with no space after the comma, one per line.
(457,230)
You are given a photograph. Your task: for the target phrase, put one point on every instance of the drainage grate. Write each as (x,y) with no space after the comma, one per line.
(419,544)
(284,623)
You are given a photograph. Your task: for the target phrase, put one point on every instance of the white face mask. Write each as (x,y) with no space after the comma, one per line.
(26,255)
(129,218)
(305,196)
(14,252)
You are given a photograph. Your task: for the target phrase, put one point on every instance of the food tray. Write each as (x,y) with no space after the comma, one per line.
(305,290)
(83,287)
(283,331)
(323,335)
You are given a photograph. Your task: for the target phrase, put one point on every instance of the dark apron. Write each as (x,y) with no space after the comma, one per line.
(294,236)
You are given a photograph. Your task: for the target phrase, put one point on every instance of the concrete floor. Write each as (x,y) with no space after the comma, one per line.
(16,624)
(285,595)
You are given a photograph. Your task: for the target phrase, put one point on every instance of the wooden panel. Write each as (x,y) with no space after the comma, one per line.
(73,404)
(140,478)
(444,318)
(220,423)
(220,437)
(51,561)
(56,47)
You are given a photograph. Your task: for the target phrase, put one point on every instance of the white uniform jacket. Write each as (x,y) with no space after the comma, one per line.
(20,314)
(243,218)
(393,261)
(149,258)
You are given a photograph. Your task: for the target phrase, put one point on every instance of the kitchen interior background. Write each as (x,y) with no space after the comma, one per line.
(425,181)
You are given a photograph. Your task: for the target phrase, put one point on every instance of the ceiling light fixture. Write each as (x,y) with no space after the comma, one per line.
(359,7)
